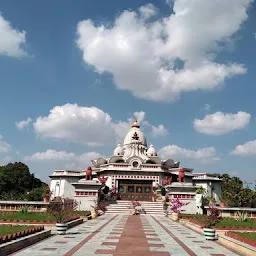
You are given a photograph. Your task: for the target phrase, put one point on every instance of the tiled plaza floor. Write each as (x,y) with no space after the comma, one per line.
(127,235)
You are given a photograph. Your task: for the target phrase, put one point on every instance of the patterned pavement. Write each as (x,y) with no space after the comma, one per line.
(128,235)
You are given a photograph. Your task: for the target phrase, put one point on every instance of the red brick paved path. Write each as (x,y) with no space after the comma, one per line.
(133,240)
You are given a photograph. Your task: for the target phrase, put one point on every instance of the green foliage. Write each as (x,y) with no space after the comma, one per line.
(213,217)
(200,190)
(250,235)
(26,216)
(61,209)
(16,180)
(234,194)
(231,222)
(35,194)
(241,216)
(7,229)
(26,209)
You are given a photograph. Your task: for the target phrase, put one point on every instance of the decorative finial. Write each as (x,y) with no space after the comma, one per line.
(135,124)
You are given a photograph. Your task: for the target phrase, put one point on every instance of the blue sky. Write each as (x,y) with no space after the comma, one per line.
(82,70)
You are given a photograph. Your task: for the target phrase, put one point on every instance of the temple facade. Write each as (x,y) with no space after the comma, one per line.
(135,171)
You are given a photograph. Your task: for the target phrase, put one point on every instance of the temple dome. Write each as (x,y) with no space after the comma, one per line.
(151,151)
(135,135)
(119,150)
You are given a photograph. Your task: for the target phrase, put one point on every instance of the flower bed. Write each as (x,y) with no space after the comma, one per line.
(31,218)
(8,232)
(245,237)
(227,224)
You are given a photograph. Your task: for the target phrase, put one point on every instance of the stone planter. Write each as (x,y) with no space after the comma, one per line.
(175,216)
(61,228)
(209,233)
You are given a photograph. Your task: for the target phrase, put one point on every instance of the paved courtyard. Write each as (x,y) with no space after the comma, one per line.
(127,235)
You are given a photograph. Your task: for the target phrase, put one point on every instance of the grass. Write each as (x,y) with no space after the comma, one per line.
(195,216)
(27,216)
(31,216)
(231,222)
(224,222)
(250,235)
(7,230)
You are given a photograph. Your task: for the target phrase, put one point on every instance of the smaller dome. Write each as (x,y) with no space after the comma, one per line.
(119,150)
(151,151)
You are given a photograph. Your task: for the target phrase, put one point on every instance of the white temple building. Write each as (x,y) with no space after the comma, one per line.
(133,170)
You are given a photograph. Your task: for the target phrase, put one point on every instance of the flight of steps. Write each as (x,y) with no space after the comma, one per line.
(124,207)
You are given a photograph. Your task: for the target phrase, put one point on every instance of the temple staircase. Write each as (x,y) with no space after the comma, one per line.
(124,207)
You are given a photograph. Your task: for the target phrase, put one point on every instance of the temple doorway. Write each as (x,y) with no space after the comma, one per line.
(135,190)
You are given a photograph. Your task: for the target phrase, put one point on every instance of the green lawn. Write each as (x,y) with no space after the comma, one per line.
(6,230)
(27,216)
(251,235)
(32,216)
(195,216)
(231,222)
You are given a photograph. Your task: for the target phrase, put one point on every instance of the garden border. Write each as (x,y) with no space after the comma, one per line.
(228,242)
(20,243)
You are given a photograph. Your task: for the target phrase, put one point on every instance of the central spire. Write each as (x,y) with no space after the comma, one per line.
(135,124)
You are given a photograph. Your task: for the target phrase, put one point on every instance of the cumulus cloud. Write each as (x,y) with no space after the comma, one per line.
(87,125)
(63,159)
(22,124)
(246,149)
(12,41)
(159,59)
(203,155)
(159,130)
(147,11)
(4,146)
(222,123)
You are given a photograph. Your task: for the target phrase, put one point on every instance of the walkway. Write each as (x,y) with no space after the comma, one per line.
(127,235)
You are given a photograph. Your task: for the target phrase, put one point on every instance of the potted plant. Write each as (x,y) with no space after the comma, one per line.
(46,194)
(99,207)
(212,219)
(175,207)
(61,209)
(135,205)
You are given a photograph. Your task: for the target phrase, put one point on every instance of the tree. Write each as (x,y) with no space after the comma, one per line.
(16,180)
(36,194)
(234,194)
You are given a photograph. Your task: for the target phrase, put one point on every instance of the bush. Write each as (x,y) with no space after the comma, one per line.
(62,209)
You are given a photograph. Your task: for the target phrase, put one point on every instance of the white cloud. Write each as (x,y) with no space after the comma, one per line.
(158,60)
(4,146)
(203,155)
(22,124)
(159,130)
(63,159)
(86,125)
(147,11)
(222,123)
(246,149)
(11,40)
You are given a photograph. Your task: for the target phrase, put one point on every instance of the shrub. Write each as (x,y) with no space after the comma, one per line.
(213,217)
(62,209)
(176,205)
